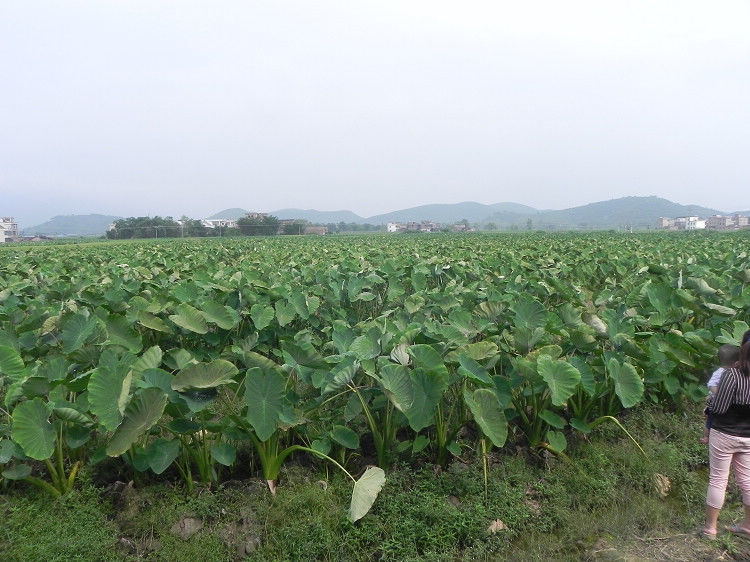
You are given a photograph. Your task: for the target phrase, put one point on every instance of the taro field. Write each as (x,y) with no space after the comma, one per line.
(202,360)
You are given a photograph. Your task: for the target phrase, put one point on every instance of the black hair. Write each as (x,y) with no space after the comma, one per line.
(728,354)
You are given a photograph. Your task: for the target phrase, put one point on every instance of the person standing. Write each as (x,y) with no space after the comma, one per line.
(729,444)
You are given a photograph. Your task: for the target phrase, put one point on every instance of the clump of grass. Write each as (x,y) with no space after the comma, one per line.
(75,527)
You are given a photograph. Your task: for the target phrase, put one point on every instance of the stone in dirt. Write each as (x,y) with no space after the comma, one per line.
(248,547)
(496,526)
(186,527)
(662,485)
(129,545)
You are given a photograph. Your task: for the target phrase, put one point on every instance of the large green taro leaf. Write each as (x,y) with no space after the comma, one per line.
(120,332)
(427,358)
(560,376)
(189,318)
(108,388)
(735,337)
(224,453)
(149,359)
(528,313)
(472,370)
(223,316)
(285,312)
(303,353)
(153,322)
(489,415)
(345,437)
(397,386)
(32,429)
(264,396)
(341,375)
(141,414)
(162,453)
(588,380)
(628,385)
(427,390)
(76,330)
(660,297)
(204,375)
(261,314)
(11,363)
(366,491)
(365,347)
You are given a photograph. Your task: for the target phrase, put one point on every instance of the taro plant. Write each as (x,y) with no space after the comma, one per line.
(39,428)
(538,383)
(196,440)
(269,413)
(412,382)
(48,420)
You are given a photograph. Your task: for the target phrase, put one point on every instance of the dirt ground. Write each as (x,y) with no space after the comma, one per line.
(674,547)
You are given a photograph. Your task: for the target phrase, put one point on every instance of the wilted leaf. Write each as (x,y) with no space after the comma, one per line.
(366,491)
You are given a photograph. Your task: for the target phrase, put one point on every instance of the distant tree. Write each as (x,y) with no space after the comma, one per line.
(529,224)
(296,227)
(194,227)
(490,226)
(266,226)
(144,227)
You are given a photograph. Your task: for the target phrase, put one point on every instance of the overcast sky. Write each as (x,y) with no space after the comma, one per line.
(181,107)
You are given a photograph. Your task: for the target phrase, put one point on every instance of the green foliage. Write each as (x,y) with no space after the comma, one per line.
(557,511)
(194,355)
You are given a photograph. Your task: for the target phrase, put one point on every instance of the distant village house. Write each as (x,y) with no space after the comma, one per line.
(424,226)
(220,223)
(8,229)
(716,222)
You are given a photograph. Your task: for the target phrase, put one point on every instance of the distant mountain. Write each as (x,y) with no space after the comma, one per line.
(228,214)
(449,213)
(72,225)
(323,217)
(513,208)
(638,212)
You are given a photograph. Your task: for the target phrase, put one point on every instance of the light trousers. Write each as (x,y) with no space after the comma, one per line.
(724,451)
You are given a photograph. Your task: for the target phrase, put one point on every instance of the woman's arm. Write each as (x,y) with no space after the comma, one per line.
(726,392)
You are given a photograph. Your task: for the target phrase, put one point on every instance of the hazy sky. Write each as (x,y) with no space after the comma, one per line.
(155,107)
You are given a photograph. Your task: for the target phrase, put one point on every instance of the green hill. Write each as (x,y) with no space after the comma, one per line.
(323,217)
(450,213)
(638,212)
(72,225)
(234,213)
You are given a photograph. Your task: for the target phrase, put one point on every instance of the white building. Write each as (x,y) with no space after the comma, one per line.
(223,223)
(395,227)
(694,223)
(8,229)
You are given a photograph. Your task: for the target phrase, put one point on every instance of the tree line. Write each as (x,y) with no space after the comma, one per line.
(269,225)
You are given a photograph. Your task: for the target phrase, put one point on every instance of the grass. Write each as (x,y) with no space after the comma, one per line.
(602,504)
(76,527)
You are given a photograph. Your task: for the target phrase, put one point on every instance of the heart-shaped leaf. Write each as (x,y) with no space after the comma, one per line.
(144,410)
(32,429)
(366,491)
(204,375)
